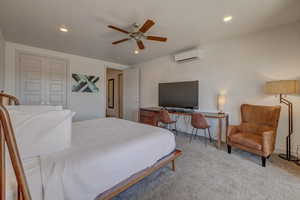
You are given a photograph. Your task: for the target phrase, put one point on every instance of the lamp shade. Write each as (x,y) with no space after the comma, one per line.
(221,102)
(282,87)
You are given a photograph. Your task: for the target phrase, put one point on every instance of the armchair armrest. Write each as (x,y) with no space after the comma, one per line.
(233,129)
(268,142)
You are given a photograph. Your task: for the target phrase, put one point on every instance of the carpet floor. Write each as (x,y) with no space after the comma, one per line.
(206,173)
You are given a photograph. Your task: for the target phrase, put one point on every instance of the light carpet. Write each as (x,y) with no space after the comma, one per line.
(206,173)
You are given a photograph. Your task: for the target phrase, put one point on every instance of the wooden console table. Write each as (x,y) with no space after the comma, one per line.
(150,116)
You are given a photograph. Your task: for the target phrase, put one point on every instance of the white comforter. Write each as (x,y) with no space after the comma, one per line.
(104,152)
(33,174)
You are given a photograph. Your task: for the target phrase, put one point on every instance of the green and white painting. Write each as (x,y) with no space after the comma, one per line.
(85,83)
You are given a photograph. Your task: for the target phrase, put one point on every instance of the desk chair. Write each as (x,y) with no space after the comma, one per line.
(198,121)
(164,118)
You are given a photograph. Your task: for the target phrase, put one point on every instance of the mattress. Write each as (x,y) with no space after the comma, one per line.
(33,174)
(104,152)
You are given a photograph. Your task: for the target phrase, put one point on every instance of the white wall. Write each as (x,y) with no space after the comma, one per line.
(239,67)
(2,49)
(86,106)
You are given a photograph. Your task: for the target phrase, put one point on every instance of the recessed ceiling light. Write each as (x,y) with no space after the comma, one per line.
(63,29)
(227,18)
(136,51)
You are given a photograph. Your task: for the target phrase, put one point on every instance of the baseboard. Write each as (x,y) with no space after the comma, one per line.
(293,151)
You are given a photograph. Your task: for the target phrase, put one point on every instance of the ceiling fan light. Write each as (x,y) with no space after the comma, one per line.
(136,52)
(227,19)
(63,29)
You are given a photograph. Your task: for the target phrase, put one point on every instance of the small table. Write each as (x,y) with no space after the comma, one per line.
(150,115)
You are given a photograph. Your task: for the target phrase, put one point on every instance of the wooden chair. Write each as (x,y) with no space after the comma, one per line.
(198,121)
(6,99)
(164,118)
(7,137)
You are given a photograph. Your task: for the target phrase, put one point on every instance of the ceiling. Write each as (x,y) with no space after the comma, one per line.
(186,23)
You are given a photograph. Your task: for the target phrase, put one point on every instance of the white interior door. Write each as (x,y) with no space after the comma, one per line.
(43,80)
(131,80)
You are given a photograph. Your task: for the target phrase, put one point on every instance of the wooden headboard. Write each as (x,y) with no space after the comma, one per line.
(6,99)
(7,137)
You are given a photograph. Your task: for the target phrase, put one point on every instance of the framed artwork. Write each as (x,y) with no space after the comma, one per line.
(111,93)
(85,83)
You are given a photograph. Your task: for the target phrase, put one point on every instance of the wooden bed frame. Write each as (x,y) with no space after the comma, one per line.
(6,99)
(7,137)
(124,185)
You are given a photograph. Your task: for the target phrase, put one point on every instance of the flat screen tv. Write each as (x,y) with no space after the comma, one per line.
(179,94)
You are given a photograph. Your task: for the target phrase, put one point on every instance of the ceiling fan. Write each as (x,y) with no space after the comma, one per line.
(138,33)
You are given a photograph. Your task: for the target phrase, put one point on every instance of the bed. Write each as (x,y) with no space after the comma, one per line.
(33,174)
(99,149)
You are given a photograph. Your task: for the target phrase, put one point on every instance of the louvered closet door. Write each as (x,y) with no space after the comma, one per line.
(31,79)
(43,80)
(56,82)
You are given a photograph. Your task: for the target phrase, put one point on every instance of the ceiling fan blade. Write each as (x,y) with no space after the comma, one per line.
(148,24)
(118,29)
(119,41)
(140,44)
(155,38)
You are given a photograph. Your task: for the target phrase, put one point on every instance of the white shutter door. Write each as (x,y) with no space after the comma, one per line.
(56,82)
(42,80)
(31,79)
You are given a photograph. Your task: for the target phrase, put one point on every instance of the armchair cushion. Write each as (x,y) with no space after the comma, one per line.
(253,141)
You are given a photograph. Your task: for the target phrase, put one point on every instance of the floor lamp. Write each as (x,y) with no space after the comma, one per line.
(285,87)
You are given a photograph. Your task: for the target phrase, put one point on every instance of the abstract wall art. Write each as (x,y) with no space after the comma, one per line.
(85,83)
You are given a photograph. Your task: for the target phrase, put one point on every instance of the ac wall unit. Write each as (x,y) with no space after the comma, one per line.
(187,55)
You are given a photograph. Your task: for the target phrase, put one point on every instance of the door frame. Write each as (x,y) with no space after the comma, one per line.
(18,52)
(120,95)
(111,81)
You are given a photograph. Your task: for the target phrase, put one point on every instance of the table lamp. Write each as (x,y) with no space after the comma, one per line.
(285,87)
(221,103)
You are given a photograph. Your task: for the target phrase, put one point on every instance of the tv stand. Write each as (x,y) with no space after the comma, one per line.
(150,116)
(174,109)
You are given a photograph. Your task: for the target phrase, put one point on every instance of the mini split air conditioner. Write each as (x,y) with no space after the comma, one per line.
(187,55)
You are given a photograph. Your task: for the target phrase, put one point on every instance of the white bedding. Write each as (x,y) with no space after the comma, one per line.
(104,152)
(39,130)
(47,127)
(33,173)
(34,108)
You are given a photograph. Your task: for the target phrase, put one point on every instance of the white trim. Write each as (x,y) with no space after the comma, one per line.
(293,151)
